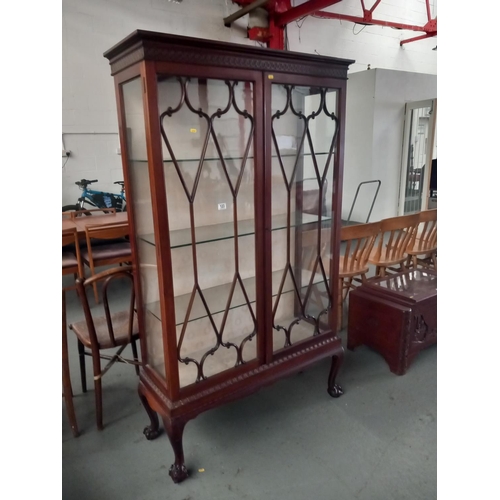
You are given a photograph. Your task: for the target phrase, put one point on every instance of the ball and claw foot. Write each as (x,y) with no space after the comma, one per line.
(335,391)
(178,473)
(151,433)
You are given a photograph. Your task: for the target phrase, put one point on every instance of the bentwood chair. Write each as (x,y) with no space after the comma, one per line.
(116,251)
(394,237)
(422,248)
(115,329)
(71,264)
(356,244)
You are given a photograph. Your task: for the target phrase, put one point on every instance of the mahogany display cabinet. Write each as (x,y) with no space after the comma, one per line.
(232,158)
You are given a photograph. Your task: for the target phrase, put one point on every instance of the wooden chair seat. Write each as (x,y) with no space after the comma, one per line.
(108,251)
(387,262)
(120,321)
(69,260)
(349,267)
(418,249)
(97,242)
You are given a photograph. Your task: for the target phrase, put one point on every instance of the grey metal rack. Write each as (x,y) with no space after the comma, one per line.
(348,221)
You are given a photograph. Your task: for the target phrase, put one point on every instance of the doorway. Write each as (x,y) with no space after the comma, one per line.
(418,147)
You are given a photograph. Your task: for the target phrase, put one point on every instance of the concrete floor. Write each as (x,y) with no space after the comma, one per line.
(288,441)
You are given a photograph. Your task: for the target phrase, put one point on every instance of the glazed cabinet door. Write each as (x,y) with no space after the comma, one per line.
(207,131)
(141,209)
(304,128)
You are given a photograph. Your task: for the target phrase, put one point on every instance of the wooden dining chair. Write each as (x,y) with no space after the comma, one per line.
(394,237)
(422,248)
(71,256)
(117,251)
(116,328)
(356,245)
(71,264)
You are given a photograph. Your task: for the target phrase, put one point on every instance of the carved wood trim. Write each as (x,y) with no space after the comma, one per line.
(200,56)
(424,330)
(235,381)
(126,59)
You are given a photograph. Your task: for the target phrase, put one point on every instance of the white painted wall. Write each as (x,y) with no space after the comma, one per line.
(359,143)
(89,119)
(89,28)
(374,136)
(374,45)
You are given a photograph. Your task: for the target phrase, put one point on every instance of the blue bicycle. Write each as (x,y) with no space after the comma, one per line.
(98,199)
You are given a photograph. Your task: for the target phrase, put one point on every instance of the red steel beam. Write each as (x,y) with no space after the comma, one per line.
(281,14)
(421,37)
(302,10)
(280,6)
(430,28)
(373,7)
(259,34)
(243,2)
(274,36)
(367,20)
(277,35)
(271,6)
(428,7)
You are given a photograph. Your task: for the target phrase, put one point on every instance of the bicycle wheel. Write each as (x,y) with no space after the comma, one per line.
(75,208)
(70,208)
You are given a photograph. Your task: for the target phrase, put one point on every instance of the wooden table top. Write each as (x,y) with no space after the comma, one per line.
(82,222)
(67,224)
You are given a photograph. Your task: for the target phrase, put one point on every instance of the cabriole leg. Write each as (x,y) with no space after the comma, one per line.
(175,428)
(334,389)
(153,430)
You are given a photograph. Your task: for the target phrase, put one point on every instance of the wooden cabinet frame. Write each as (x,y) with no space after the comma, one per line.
(145,55)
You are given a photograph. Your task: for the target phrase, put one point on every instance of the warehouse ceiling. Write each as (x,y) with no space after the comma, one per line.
(282,12)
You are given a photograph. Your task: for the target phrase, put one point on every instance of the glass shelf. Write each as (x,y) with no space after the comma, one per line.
(215,232)
(230,158)
(217,296)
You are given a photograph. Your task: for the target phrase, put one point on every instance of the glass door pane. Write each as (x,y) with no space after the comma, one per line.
(207,128)
(143,217)
(304,132)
